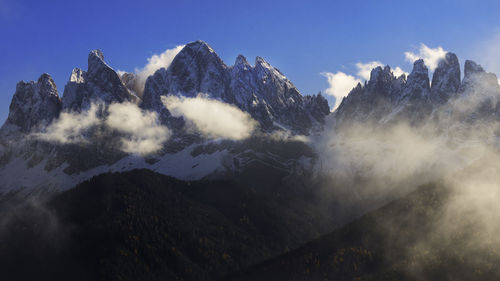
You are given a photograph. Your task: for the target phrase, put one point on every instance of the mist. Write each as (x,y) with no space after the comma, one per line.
(366,164)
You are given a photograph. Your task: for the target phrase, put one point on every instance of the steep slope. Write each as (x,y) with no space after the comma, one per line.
(34,105)
(261,90)
(99,83)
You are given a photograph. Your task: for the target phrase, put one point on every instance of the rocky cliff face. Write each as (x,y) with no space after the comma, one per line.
(446,79)
(261,90)
(34,104)
(99,83)
(385,98)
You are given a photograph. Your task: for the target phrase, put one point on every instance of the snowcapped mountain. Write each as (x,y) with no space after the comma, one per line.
(387,99)
(283,115)
(261,90)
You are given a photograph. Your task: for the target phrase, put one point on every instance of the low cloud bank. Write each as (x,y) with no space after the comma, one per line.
(143,132)
(366,164)
(212,118)
(140,131)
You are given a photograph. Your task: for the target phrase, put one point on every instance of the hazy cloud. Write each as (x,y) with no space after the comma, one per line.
(70,127)
(431,56)
(155,62)
(144,134)
(487,54)
(212,118)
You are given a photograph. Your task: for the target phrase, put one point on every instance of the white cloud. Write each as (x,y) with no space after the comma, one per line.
(70,126)
(212,118)
(155,62)
(431,56)
(364,69)
(398,72)
(144,134)
(340,85)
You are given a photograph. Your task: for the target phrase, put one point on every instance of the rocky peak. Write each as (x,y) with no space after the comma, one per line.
(476,79)
(196,69)
(241,61)
(33,104)
(96,62)
(77,76)
(446,78)
(417,86)
(261,90)
(99,83)
(471,68)
(47,85)
(380,81)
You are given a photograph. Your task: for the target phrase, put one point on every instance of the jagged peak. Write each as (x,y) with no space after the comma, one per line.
(47,84)
(449,59)
(96,53)
(401,77)
(380,75)
(77,75)
(199,45)
(196,51)
(241,60)
(259,61)
(45,77)
(446,77)
(262,64)
(471,67)
(419,67)
(96,62)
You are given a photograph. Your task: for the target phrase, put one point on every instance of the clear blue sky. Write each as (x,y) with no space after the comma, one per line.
(301,38)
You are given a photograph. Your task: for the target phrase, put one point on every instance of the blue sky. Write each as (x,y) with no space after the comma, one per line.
(301,38)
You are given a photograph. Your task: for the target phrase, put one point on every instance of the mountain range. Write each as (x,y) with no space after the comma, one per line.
(260,90)
(112,182)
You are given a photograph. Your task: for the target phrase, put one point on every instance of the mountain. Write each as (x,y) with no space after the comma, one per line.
(99,82)
(34,104)
(261,90)
(28,162)
(402,240)
(141,225)
(386,99)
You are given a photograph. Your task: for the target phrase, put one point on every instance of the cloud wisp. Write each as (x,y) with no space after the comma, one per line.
(431,56)
(140,131)
(212,118)
(154,63)
(339,85)
(143,132)
(70,127)
(364,69)
(366,165)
